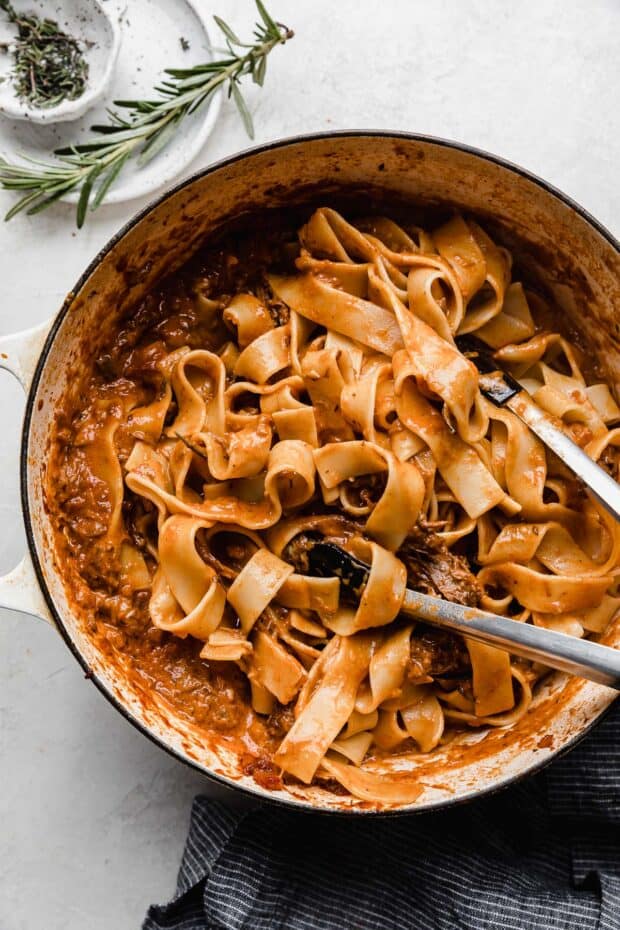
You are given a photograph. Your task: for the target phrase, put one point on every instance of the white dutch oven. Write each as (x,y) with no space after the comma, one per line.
(553,239)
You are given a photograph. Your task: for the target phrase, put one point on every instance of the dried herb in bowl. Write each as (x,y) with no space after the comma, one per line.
(49,65)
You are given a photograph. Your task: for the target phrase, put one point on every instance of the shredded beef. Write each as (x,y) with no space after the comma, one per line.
(281,720)
(433,569)
(436,653)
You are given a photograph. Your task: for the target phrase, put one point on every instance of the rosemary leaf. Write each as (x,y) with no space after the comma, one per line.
(154,146)
(259,74)
(22,204)
(122,135)
(85,193)
(106,129)
(266,18)
(225,28)
(243,110)
(108,181)
(180,73)
(46,202)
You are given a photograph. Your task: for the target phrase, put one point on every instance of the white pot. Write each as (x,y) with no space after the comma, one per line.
(551,237)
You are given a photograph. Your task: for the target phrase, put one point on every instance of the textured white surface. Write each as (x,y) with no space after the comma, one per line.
(93,816)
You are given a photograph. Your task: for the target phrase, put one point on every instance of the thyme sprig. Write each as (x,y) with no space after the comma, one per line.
(93,166)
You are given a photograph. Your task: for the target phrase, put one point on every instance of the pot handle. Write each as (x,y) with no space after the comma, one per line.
(19,352)
(19,589)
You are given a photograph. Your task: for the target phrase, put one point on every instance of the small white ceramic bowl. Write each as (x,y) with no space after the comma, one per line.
(99,34)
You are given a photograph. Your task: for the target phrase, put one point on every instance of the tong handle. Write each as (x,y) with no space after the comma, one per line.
(580,657)
(570,654)
(595,478)
(503,390)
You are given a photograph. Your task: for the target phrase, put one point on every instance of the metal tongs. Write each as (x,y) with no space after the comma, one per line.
(557,650)
(504,391)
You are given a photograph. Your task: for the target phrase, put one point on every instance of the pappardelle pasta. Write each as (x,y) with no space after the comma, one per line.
(299,387)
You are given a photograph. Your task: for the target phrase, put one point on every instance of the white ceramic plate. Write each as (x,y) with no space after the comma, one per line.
(152,31)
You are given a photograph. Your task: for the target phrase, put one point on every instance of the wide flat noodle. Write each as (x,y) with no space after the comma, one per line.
(276,669)
(342,666)
(491,679)
(386,672)
(438,367)
(460,465)
(381,599)
(397,510)
(187,598)
(378,787)
(328,306)
(256,585)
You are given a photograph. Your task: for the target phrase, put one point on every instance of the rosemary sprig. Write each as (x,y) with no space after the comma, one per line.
(48,64)
(93,166)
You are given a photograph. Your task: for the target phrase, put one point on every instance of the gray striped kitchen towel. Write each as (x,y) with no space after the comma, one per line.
(542,854)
